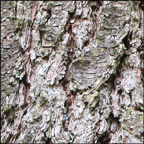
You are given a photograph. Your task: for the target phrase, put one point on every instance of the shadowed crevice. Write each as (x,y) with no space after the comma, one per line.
(65,81)
(95,9)
(48,141)
(141,5)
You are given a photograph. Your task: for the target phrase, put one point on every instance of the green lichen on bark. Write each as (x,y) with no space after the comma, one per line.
(6,108)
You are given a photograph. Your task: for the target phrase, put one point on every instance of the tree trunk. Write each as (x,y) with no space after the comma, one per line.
(71,72)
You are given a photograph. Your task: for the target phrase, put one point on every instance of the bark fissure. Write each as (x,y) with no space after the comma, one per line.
(25,89)
(141,5)
(16,9)
(64,81)
(48,141)
(26,53)
(25,78)
(106,137)
(49,14)
(94,15)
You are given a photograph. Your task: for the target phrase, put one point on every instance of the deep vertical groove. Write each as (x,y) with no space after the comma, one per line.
(64,81)
(95,10)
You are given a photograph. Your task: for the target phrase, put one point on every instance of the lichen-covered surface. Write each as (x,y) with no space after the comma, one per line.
(71,72)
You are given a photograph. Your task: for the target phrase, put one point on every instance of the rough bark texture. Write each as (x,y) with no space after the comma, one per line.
(71,72)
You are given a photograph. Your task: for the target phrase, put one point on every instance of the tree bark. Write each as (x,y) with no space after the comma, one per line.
(72,71)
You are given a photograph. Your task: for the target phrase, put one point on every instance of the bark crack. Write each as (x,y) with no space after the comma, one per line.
(94,15)
(15,8)
(25,79)
(26,54)
(64,81)
(112,82)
